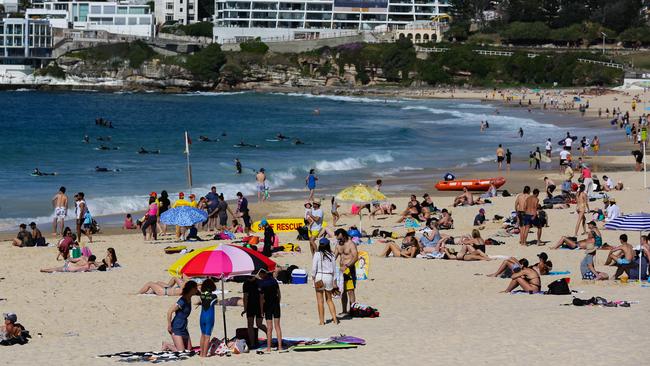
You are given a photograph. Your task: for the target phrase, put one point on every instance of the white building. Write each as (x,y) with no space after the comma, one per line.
(22,38)
(113,17)
(237,20)
(176,11)
(10,6)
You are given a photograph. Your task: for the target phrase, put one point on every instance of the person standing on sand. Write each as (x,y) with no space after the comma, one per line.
(82,215)
(60,205)
(582,207)
(260,177)
(177,319)
(595,145)
(270,298)
(508,159)
(323,268)
(500,156)
(310,182)
(346,250)
(243,212)
(530,213)
(520,208)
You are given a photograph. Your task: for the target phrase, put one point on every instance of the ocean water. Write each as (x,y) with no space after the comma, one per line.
(353,139)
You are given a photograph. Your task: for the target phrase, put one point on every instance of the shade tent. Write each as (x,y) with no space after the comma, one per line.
(633,222)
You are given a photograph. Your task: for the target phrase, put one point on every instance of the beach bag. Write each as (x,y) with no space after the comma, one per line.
(363,311)
(239,346)
(559,287)
(505,193)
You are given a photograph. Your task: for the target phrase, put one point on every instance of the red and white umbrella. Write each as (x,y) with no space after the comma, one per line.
(225,261)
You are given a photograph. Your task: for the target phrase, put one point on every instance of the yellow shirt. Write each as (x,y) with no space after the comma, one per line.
(181,202)
(194,204)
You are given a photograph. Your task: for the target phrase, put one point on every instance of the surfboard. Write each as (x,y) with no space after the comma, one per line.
(286,225)
(545,159)
(272,140)
(561,142)
(363,266)
(320,347)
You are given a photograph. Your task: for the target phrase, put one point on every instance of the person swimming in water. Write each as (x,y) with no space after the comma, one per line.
(37,172)
(280,136)
(521,132)
(86,139)
(238,166)
(103,169)
(104,147)
(298,142)
(206,139)
(144,151)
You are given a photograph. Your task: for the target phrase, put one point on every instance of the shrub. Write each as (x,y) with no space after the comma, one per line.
(205,64)
(254,46)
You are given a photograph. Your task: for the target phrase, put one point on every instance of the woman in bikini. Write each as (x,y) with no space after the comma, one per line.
(81,264)
(528,279)
(409,248)
(582,208)
(170,288)
(594,239)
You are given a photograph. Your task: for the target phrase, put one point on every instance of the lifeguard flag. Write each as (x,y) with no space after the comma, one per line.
(188,142)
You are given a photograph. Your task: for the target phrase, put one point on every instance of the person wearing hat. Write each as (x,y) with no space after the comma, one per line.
(269,238)
(587,268)
(613,211)
(322,271)
(24,237)
(544,266)
(315,217)
(11,329)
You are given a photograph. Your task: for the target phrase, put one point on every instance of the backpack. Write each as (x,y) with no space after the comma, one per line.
(559,287)
(363,311)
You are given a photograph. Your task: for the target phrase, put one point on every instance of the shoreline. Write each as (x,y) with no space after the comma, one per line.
(426,177)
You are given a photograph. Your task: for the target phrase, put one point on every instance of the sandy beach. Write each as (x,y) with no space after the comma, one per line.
(432,311)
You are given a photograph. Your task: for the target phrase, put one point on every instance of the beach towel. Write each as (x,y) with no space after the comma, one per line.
(559,273)
(152,357)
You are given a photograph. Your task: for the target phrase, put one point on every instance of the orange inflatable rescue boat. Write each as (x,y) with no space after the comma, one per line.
(470,184)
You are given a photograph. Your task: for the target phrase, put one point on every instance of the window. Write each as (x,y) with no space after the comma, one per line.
(169,18)
(109,9)
(181,1)
(122,10)
(170,6)
(96,9)
(133,21)
(120,21)
(181,10)
(145,21)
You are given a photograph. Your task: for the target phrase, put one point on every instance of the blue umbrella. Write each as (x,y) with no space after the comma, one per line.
(183,216)
(632,222)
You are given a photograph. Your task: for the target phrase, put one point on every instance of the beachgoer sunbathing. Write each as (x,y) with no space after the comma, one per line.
(445,221)
(594,239)
(409,248)
(466,253)
(510,266)
(411,211)
(382,209)
(528,279)
(81,264)
(544,266)
(173,287)
(464,199)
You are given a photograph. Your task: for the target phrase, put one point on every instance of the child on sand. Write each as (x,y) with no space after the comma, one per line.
(208,300)
(128,223)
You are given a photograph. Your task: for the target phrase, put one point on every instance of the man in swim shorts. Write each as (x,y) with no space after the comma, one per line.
(346,250)
(500,156)
(260,177)
(621,256)
(60,205)
(520,208)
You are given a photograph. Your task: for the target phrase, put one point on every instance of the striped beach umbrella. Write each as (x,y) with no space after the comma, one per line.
(225,261)
(633,222)
(183,216)
(175,269)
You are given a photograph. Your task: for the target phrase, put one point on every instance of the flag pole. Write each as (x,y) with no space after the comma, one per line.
(189,167)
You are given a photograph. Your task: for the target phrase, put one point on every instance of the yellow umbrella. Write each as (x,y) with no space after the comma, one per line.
(360,193)
(175,269)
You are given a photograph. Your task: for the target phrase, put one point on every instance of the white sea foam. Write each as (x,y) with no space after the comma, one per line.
(103,206)
(473,118)
(352,163)
(473,106)
(484,159)
(393,171)
(341,98)
(209,94)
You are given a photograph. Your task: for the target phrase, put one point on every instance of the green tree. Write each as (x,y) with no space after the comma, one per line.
(399,57)
(254,46)
(206,64)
